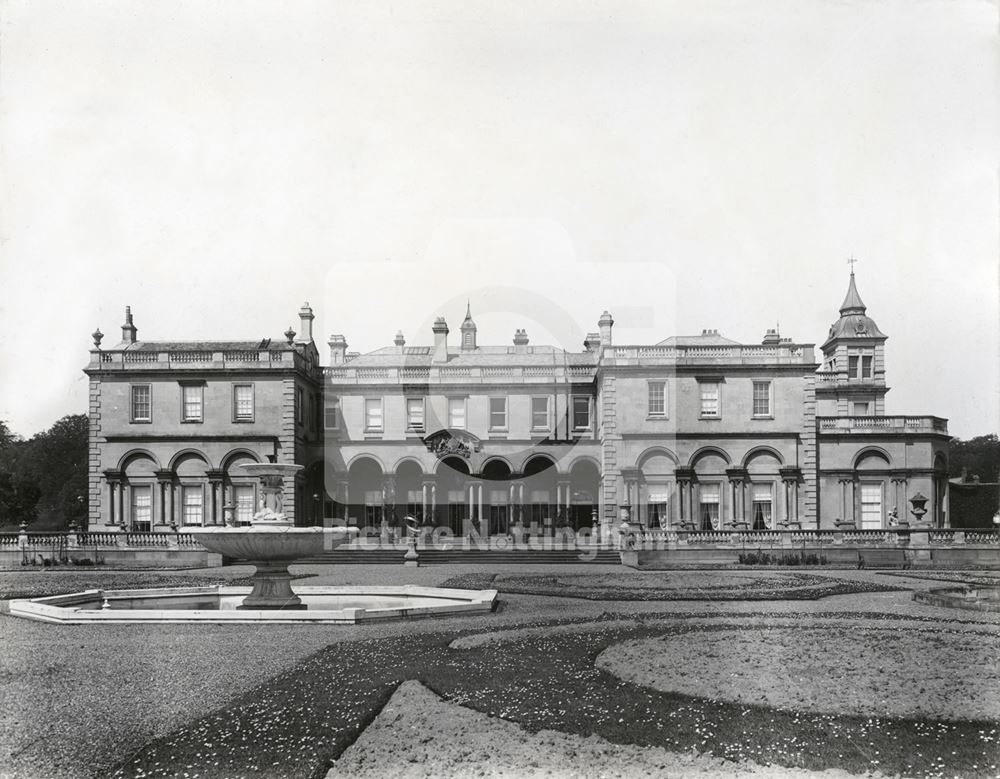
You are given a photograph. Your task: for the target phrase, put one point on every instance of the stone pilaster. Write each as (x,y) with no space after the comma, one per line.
(97,512)
(808,495)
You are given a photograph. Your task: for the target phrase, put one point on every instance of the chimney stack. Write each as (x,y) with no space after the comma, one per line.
(440,329)
(399,340)
(338,349)
(129,330)
(592,342)
(306,324)
(605,323)
(771,337)
(520,341)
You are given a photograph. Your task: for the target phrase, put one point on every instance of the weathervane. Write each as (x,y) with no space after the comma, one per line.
(851,262)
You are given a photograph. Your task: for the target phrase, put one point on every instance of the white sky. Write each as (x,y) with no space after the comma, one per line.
(685,165)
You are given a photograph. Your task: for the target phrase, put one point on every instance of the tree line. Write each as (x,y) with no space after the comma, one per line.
(43,480)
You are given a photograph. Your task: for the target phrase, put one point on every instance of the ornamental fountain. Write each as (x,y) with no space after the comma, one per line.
(271,543)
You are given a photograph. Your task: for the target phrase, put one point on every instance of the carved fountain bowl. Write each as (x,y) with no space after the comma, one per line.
(276,544)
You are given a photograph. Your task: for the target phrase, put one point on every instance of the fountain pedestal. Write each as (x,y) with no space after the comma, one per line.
(272,587)
(271,543)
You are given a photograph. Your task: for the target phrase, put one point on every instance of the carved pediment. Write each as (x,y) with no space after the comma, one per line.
(448,443)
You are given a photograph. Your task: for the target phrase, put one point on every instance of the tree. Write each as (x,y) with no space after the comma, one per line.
(45,479)
(980,457)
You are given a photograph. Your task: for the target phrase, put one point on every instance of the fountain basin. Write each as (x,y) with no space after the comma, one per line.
(271,549)
(221,604)
(260,542)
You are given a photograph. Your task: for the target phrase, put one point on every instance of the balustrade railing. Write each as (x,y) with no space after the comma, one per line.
(825,536)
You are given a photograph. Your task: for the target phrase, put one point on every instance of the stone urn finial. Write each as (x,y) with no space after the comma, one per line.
(290,335)
(97,335)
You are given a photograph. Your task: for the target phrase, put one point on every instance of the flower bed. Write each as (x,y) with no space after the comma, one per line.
(671,586)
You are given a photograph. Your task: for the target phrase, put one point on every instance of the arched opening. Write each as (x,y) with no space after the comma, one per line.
(710,489)
(497,495)
(315,494)
(871,495)
(585,487)
(763,490)
(192,485)
(409,491)
(656,490)
(138,506)
(240,489)
(540,485)
(453,499)
(365,496)
(940,486)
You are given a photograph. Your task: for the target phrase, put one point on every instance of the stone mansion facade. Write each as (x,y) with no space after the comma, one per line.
(696,432)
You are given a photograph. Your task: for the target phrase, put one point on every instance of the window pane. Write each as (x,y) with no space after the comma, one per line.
(657,398)
(243,402)
(581,413)
(760,509)
(709,500)
(142,509)
(852,367)
(866,367)
(244,503)
(456,413)
(709,400)
(871,506)
(192,505)
(141,403)
(761,398)
(331,417)
(192,403)
(373,414)
(498,413)
(539,413)
(415,413)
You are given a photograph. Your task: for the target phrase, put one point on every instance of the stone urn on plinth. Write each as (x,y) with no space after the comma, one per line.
(271,543)
(919,503)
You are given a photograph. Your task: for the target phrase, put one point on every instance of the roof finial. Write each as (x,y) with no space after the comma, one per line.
(850,261)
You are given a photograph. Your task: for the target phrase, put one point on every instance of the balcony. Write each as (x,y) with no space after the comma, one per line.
(899,425)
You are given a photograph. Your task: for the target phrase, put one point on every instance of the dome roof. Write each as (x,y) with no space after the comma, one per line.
(854,322)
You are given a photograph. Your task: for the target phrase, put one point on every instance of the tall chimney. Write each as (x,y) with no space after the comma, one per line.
(605,323)
(338,349)
(129,330)
(520,341)
(440,329)
(399,340)
(306,327)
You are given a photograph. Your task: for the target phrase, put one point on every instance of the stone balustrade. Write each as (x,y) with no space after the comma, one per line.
(881,425)
(791,539)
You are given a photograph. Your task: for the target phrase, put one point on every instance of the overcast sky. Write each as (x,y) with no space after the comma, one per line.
(684,165)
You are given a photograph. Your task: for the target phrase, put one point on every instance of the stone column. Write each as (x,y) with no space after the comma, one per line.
(215,492)
(737,481)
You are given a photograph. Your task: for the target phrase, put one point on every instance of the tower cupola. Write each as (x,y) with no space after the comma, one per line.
(468,330)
